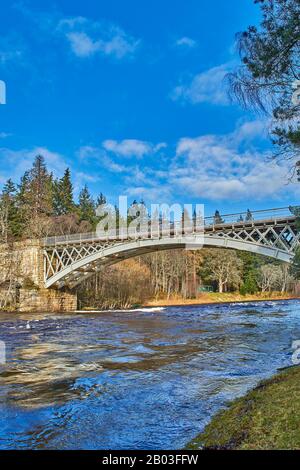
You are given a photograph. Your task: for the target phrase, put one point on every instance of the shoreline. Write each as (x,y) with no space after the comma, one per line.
(207,299)
(266,418)
(214,298)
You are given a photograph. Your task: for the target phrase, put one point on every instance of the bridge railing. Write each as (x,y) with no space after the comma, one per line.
(250,216)
(176,228)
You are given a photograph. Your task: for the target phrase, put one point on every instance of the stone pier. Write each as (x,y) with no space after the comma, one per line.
(22,273)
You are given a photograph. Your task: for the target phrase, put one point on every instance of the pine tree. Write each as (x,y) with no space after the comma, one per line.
(9,211)
(267,78)
(217,218)
(34,199)
(39,195)
(101,199)
(63,201)
(249,216)
(86,206)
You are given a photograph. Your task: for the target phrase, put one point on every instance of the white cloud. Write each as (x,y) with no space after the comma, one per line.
(206,87)
(250,130)
(186,42)
(87,38)
(131,147)
(216,167)
(11,50)
(152,194)
(4,135)
(82,45)
(19,161)
(88,151)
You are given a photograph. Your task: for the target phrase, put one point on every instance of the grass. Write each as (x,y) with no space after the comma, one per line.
(267,418)
(215,297)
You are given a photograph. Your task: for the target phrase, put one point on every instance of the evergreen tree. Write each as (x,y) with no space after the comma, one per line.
(39,194)
(249,216)
(34,199)
(268,77)
(86,206)
(218,219)
(295,266)
(63,201)
(9,211)
(250,285)
(101,199)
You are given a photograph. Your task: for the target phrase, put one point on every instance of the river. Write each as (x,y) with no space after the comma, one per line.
(142,379)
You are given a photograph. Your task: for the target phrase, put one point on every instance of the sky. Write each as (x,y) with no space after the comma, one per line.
(131,96)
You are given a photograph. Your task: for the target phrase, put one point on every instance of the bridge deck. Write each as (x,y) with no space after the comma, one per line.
(229,221)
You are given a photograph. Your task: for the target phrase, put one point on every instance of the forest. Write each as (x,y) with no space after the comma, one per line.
(41,205)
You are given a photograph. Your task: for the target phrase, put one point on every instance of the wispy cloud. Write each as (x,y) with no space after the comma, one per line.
(206,87)
(88,38)
(131,147)
(186,43)
(11,50)
(19,161)
(214,167)
(220,167)
(4,135)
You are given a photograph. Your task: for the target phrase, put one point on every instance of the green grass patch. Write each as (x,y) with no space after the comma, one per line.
(268,417)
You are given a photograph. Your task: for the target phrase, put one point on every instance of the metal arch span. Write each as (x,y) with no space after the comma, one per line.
(70,264)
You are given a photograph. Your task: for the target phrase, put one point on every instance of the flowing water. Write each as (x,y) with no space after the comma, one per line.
(142,379)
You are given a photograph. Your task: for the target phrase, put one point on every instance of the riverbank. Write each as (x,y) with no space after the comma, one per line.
(266,418)
(215,298)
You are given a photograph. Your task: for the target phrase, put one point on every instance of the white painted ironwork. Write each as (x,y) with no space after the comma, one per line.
(70,259)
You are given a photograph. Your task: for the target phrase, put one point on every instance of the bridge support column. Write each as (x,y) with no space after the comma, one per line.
(46,300)
(22,275)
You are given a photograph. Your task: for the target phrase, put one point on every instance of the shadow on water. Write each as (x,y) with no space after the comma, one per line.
(140,379)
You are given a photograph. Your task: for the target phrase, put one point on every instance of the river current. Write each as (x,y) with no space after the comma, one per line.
(140,379)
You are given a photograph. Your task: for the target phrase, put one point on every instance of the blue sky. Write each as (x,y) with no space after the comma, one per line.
(130,95)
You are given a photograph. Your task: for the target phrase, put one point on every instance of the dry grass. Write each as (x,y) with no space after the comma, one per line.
(215,297)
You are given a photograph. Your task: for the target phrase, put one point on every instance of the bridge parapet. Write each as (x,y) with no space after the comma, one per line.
(241,219)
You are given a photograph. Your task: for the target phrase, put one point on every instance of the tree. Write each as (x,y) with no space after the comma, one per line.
(270,68)
(249,216)
(63,201)
(268,276)
(222,266)
(9,225)
(249,285)
(34,199)
(86,206)
(218,219)
(295,266)
(39,195)
(101,199)
(284,277)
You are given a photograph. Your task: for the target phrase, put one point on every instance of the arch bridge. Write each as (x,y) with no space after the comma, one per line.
(67,260)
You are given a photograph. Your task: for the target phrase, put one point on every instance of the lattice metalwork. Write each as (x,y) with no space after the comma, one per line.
(68,260)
